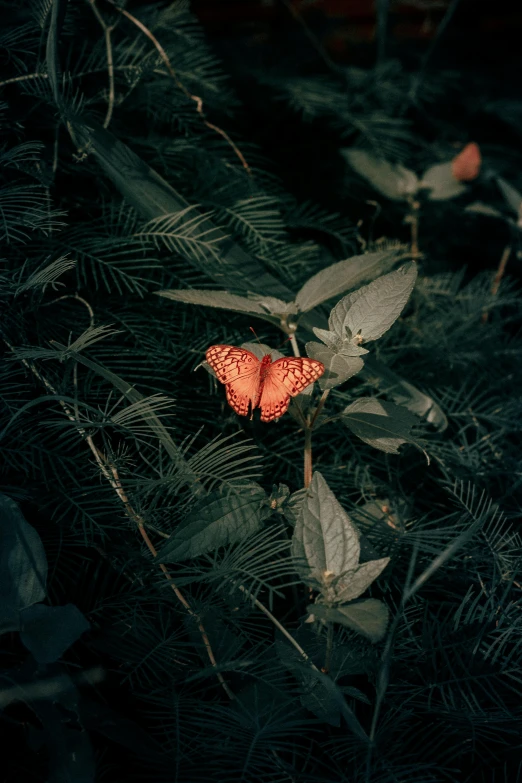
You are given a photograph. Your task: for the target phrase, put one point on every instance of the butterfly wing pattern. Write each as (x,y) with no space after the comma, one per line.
(286,378)
(240,371)
(251,383)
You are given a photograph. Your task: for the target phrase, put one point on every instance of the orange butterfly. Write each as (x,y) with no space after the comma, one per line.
(252,383)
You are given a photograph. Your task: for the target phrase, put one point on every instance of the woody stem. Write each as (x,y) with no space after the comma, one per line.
(307,456)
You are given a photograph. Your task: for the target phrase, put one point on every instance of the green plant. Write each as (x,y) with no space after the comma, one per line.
(220,601)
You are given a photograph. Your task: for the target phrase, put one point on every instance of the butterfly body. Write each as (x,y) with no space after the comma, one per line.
(253,383)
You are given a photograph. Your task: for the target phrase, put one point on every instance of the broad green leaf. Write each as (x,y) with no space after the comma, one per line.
(355,583)
(57,15)
(340,277)
(375,307)
(391,179)
(512,197)
(322,701)
(23,564)
(292,507)
(330,339)
(403,393)
(325,541)
(368,617)
(48,631)
(320,693)
(441,183)
(276,306)
(220,299)
(268,307)
(338,368)
(380,424)
(480,208)
(118,728)
(216,521)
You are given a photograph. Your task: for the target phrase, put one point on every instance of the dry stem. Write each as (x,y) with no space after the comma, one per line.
(196,98)
(495,285)
(110,473)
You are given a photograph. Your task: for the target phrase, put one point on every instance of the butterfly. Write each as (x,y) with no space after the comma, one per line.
(253,383)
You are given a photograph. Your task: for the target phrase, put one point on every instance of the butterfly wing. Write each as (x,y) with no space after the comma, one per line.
(239,370)
(286,378)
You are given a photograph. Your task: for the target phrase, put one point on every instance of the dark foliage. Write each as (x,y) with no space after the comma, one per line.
(170,605)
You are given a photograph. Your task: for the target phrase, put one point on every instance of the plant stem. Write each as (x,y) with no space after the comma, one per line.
(320,406)
(107,32)
(110,473)
(278,625)
(495,285)
(307,456)
(413,220)
(295,347)
(196,98)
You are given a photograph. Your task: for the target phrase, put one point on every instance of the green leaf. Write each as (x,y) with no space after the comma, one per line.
(512,197)
(216,521)
(368,617)
(372,310)
(321,700)
(330,339)
(226,301)
(292,507)
(153,197)
(338,278)
(325,541)
(48,631)
(479,208)
(276,306)
(391,179)
(152,421)
(23,564)
(47,275)
(355,583)
(403,393)
(220,299)
(441,182)
(58,10)
(380,424)
(338,368)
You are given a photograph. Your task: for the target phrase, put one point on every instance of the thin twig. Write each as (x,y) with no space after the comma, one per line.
(107,31)
(320,406)
(417,81)
(196,98)
(278,625)
(413,219)
(308,457)
(495,285)
(319,48)
(24,78)
(110,473)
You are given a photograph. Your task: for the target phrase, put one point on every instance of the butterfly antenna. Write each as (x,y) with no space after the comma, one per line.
(284,341)
(255,335)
